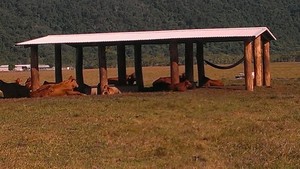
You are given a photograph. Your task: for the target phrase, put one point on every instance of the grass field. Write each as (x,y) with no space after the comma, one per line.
(201,128)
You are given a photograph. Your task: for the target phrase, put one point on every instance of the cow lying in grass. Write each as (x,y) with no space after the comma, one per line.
(61,89)
(164,84)
(130,79)
(207,82)
(13,90)
(108,90)
(181,87)
(84,88)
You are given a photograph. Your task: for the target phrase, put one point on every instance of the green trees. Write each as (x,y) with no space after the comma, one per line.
(25,19)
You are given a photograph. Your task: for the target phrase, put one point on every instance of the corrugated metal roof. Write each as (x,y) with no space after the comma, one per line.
(115,37)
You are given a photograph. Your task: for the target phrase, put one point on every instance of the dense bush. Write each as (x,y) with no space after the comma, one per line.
(26,19)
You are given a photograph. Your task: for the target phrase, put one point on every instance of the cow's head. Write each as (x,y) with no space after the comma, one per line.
(72,81)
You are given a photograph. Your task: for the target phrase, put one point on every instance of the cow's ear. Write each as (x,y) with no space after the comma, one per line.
(71,77)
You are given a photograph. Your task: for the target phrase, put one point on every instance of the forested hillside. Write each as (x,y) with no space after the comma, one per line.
(25,19)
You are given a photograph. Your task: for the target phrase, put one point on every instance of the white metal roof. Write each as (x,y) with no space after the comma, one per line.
(115,37)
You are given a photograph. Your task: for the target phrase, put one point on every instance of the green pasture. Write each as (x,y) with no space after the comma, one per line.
(201,128)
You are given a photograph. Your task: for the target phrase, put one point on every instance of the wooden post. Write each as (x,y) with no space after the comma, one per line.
(35,75)
(121,65)
(79,65)
(173,47)
(58,65)
(102,68)
(189,63)
(200,64)
(258,61)
(138,66)
(248,54)
(266,69)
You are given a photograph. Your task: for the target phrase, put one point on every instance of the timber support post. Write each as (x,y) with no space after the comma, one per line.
(58,65)
(258,62)
(248,55)
(200,64)
(35,76)
(102,68)
(79,65)
(266,61)
(173,47)
(121,64)
(189,62)
(138,66)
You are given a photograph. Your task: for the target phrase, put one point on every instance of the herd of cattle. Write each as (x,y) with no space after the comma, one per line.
(70,87)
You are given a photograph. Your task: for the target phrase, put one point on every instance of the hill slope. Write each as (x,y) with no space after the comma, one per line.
(22,20)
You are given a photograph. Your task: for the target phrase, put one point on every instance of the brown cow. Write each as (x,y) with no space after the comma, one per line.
(182,86)
(84,88)
(165,84)
(109,90)
(61,89)
(207,82)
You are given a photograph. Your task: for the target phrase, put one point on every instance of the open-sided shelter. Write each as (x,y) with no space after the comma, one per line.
(256,47)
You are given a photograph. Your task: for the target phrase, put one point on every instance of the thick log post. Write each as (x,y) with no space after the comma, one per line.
(266,69)
(258,62)
(200,64)
(35,75)
(121,65)
(79,65)
(138,66)
(189,63)
(248,54)
(58,65)
(102,68)
(173,47)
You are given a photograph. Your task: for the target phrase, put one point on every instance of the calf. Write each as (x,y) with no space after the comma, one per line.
(108,90)
(165,84)
(207,82)
(13,90)
(182,86)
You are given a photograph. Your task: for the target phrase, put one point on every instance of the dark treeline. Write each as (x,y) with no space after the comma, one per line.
(26,19)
